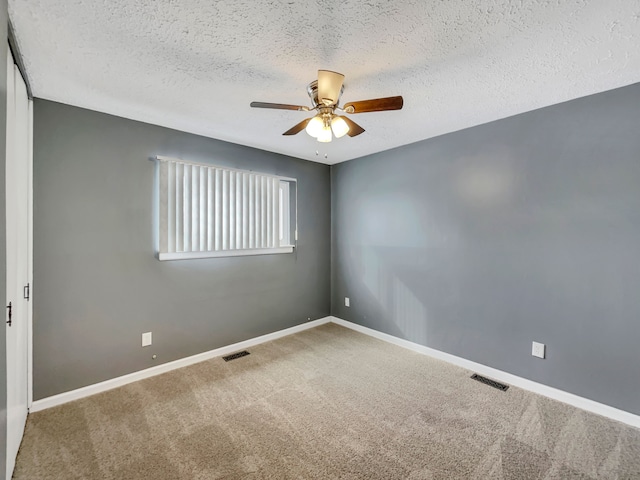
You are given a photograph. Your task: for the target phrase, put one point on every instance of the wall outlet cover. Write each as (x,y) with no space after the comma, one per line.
(537,350)
(146,339)
(346,302)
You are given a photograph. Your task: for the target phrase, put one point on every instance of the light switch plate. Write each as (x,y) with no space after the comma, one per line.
(537,350)
(146,339)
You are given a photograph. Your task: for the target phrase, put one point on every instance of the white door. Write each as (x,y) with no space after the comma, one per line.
(17,231)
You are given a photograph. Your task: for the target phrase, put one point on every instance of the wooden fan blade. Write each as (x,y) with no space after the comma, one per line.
(374,105)
(354,128)
(278,106)
(298,128)
(329,87)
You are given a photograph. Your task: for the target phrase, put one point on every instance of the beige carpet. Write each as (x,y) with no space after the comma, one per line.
(322,404)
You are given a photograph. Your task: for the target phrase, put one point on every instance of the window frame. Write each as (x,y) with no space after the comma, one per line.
(161,226)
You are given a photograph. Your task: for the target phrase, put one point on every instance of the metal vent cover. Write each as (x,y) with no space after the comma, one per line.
(233,356)
(491,383)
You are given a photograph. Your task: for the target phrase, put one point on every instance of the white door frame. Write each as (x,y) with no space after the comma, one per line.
(21,206)
(30,263)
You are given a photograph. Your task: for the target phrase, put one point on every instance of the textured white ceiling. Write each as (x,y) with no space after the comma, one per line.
(195,65)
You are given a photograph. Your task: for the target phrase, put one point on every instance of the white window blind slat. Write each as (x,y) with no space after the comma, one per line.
(218,210)
(252,211)
(186,218)
(179,207)
(171,206)
(269,213)
(225,210)
(258,212)
(263,211)
(210,211)
(275,210)
(163,207)
(238,217)
(211,226)
(204,192)
(245,210)
(232,211)
(195,209)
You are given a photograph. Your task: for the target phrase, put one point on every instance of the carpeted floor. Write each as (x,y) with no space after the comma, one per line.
(326,403)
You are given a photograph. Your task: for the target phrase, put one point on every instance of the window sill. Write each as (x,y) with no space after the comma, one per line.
(224,253)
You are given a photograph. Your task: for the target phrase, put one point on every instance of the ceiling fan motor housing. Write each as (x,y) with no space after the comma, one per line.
(312,91)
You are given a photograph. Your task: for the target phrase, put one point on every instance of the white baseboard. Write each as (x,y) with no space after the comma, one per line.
(539,388)
(89,390)
(550,392)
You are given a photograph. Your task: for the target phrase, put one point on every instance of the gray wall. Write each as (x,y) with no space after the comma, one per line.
(97,285)
(479,242)
(4,19)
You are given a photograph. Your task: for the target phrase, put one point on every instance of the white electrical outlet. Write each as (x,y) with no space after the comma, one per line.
(537,350)
(146,339)
(346,301)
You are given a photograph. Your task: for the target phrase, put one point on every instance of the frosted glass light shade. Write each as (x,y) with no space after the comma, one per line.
(339,127)
(325,135)
(315,126)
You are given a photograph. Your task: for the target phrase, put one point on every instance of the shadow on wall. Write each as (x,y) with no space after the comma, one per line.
(394,293)
(409,266)
(401,294)
(455,255)
(479,254)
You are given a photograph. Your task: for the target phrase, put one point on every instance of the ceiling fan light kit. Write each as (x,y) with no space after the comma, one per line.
(339,126)
(315,126)
(325,95)
(325,135)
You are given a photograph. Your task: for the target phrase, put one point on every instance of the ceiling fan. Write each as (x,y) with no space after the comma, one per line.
(325,94)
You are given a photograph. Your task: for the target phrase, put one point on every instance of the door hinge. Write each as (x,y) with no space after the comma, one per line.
(9,308)
(27,292)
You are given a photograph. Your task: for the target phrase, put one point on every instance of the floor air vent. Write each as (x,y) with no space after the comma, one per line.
(491,383)
(233,356)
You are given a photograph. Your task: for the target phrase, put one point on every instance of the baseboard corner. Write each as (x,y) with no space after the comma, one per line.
(77,394)
(550,392)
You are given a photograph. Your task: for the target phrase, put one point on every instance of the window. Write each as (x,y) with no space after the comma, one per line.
(209,211)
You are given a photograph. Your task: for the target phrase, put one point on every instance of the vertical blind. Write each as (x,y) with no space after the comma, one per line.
(206,210)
